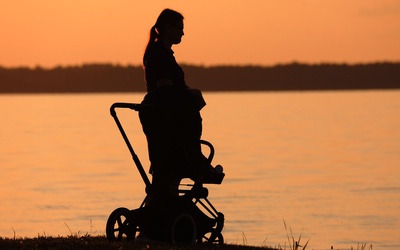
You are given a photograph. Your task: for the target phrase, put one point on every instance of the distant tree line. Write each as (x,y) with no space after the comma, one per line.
(115,78)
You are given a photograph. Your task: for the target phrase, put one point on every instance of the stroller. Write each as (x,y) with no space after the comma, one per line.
(186,218)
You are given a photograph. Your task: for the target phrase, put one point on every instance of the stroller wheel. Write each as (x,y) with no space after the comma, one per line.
(212,237)
(120,226)
(183,229)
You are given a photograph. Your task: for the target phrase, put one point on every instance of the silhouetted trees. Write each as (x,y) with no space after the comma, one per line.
(114,78)
(296,77)
(86,78)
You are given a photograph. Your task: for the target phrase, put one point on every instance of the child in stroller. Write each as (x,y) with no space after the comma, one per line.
(169,213)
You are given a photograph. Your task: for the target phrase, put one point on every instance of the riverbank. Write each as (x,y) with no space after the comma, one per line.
(101,243)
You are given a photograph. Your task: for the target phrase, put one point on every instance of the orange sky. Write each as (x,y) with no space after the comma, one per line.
(259,32)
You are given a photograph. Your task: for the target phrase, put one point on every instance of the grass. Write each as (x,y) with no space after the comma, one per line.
(294,244)
(88,241)
(101,243)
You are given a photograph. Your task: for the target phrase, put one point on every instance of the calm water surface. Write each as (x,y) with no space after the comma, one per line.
(326,163)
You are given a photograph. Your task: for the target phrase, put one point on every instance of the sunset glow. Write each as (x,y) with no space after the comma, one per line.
(50,33)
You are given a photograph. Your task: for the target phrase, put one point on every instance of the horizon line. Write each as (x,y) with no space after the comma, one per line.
(294,62)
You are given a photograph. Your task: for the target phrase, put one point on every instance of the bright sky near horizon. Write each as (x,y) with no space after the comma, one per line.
(49,33)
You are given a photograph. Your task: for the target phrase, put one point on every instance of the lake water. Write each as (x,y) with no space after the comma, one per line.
(326,163)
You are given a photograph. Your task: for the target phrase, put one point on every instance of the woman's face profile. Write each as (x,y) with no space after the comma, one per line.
(176,32)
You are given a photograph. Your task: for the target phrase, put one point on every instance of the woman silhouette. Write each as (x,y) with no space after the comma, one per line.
(180,130)
(159,62)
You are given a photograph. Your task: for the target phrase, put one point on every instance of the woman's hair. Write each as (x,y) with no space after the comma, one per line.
(166,17)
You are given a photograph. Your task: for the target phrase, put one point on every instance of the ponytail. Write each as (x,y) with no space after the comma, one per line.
(152,40)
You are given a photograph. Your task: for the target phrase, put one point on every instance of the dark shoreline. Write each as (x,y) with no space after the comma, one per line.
(102,78)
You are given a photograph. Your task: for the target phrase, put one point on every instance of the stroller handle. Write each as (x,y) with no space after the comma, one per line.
(133,106)
(136,107)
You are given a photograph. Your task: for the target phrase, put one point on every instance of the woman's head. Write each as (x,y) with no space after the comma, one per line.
(168,29)
(166,20)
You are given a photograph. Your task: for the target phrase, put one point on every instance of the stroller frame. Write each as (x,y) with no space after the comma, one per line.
(191,219)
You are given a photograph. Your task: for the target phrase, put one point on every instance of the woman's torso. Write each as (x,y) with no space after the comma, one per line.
(161,65)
